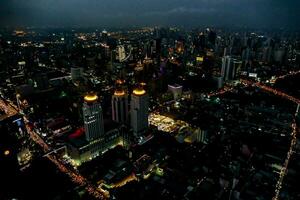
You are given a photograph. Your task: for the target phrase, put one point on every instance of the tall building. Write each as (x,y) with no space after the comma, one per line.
(176,91)
(139,106)
(76,73)
(119,103)
(93,118)
(230,67)
(121,53)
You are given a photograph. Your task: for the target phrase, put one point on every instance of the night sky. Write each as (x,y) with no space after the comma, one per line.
(116,13)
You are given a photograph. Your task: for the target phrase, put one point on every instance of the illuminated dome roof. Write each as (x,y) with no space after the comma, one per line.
(119,92)
(90,97)
(139,91)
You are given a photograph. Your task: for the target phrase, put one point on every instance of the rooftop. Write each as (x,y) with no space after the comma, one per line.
(90,98)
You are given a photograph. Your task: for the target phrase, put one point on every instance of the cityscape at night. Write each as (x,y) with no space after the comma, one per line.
(149,100)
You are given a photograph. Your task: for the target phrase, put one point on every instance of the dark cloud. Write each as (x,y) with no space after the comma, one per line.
(272,13)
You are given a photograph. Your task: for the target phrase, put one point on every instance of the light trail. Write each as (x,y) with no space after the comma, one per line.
(284,168)
(271,90)
(220,92)
(293,73)
(8,109)
(293,143)
(75,176)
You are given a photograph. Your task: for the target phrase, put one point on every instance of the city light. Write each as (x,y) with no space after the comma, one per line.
(141,113)
(166,124)
(119,93)
(90,97)
(75,176)
(6,152)
(139,92)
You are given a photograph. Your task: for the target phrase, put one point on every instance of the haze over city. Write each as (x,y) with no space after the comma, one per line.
(114,13)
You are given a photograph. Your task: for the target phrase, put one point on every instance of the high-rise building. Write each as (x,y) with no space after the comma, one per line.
(93,118)
(121,53)
(230,67)
(139,106)
(76,73)
(176,91)
(227,66)
(200,135)
(119,104)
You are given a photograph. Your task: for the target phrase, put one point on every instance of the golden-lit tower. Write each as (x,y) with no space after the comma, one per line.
(139,106)
(119,104)
(93,117)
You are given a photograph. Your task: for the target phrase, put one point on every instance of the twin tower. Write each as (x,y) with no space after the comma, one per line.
(139,108)
(137,117)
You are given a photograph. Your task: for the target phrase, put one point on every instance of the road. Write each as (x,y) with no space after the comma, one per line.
(284,168)
(5,107)
(271,90)
(294,132)
(74,175)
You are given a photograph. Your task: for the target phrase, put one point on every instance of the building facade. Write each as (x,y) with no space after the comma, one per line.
(139,106)
(119,103)
(93,118)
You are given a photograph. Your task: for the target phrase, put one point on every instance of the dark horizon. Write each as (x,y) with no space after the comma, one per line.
(136,13)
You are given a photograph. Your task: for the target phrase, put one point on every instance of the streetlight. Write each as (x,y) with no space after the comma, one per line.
(6,152)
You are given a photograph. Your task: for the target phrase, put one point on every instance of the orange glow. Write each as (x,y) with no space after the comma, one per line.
(6,153)
(90,97)
(139,92)
(119,81)
(119,92)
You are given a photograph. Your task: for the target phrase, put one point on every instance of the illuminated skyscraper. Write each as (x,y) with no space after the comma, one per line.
(139,106)
(121,53)
(119,103)
(93,118)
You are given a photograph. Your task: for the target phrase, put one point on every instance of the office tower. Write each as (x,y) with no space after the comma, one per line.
(139,106)
(227,66)
(104,36)
(41,81)
(121,53)
(246,54)
(230,67)
(267,54)
(219,81)
(176,90)
(119,103)
(93,118)
(76,73)
(212,36)
(279,55)
(237,66)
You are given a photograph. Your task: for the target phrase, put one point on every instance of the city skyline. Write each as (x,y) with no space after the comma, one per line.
(143,100)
